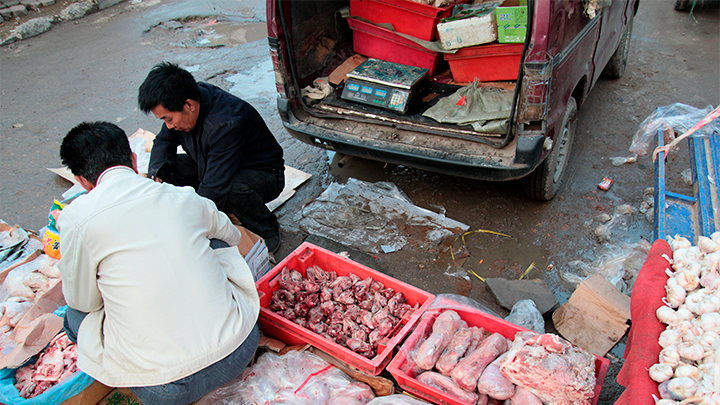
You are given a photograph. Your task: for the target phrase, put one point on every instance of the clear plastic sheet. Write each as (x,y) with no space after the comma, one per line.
(456,301)
(671,119)
(525,313)
(396,399)
(23,281)
(619,264)
(299,378)
(370,216)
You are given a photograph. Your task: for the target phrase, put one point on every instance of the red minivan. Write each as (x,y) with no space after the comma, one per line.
(564,53)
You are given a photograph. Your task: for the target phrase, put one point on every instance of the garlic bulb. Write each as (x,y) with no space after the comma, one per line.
(710,259)
(687,280)
(710,278)
(676,294)
(707,245)
(678,242)
(709,321)
(712,399)
(691,351)
(687,370)
(666,315)
(709,340)
(663,391)
(692,335)
(715,237)
(684,314)
(681,388)
(661,372)
(711,303)
(694,268)
(669,337)
(670,356)
(683,326)
(694,298)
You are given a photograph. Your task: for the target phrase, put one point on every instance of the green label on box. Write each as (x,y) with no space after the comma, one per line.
(511,24)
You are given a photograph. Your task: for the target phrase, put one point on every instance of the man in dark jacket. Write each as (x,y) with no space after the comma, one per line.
(231,156)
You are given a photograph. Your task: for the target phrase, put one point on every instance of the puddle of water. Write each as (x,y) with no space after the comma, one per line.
(231,34)
(258,81)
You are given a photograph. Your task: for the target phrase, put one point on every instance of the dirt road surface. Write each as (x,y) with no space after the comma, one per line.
(90,69)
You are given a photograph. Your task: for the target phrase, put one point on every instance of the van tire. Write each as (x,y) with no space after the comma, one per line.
(544,182)
(615,67)
(681,5)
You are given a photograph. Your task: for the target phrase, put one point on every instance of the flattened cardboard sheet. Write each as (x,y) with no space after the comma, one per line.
(595,317)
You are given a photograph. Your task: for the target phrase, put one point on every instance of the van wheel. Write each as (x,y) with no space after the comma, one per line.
(681,5)
(544,182)
(615,67)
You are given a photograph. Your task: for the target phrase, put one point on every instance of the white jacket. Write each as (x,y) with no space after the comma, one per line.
(162,304)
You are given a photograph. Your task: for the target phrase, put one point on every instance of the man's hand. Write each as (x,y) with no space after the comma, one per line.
(157,179)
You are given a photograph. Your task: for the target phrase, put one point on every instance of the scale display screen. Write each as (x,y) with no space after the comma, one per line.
(383,84)
(377,95)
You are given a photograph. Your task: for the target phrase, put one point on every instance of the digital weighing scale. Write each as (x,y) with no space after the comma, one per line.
(383,84)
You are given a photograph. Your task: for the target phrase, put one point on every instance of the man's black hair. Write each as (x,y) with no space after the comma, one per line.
(168,85)
(92,147)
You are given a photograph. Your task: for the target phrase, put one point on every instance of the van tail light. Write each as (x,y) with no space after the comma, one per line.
(277,67)
(534,91)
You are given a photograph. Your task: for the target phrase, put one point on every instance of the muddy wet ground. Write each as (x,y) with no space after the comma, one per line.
(90,69)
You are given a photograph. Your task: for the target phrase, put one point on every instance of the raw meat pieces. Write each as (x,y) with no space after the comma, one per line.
(535,378)
(469,369)
(446,384)
(347,310)
(524,397)
(444,329)
(22,287)
(493,383)
(456,349)
(54,364)
(556,371)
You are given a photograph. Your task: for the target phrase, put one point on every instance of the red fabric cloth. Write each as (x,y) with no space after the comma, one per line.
(642,349)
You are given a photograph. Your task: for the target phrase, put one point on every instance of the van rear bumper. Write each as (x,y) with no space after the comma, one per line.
(474,160)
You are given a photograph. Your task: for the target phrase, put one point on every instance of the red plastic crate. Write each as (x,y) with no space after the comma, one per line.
(380,43)
(488,63)
(406,16)
(307,255)
(404,370)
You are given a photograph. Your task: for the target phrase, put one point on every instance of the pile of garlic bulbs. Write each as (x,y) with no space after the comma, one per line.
(688,370)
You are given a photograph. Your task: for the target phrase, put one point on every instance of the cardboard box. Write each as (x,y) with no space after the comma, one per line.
(468,32)
(119,396)
(511,24)
(253,249)
(90,395)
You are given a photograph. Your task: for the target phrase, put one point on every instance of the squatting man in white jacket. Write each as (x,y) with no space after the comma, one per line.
(160,299)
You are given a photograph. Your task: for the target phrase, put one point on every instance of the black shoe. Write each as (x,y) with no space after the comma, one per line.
(273,243)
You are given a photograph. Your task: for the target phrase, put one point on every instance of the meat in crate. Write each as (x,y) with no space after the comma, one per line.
(444,361)
(348,310)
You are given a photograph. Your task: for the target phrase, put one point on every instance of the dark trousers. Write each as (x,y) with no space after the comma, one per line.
(250,191)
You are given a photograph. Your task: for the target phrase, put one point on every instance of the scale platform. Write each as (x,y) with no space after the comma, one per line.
(384,84)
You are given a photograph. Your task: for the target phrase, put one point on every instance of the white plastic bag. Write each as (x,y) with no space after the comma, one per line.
(525,313)
(299,378)
(676,117)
